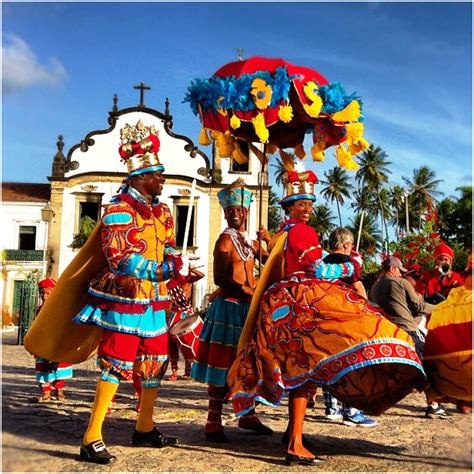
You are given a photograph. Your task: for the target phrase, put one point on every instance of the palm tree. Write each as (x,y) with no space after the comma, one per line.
(337,187)
(373,174)
(274,218)
(280,171)
(322,221)
(370,234)
(396,204)
(423,189)
(364,201)
(385,212)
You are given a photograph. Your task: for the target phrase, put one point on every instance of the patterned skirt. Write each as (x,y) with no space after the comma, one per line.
(447,357)
(218,340)
(315,331)
(47,371)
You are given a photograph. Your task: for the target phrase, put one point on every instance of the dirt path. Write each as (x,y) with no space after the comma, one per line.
(46,437)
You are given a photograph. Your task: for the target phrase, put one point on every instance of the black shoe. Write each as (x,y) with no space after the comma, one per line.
(258,428)
(153,438)
(285,439)
(217,437)
(96,452)
(294,459)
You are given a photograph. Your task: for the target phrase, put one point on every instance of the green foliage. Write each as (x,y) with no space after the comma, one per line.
(337,187)
(322,221)
(86,227)
(274,210)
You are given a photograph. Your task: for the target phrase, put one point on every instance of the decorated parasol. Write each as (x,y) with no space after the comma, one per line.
(275,103)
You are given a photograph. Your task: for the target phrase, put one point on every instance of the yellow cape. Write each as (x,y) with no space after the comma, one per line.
(53,335)
(273,271)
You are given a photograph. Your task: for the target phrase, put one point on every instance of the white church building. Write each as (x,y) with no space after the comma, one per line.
(85,179)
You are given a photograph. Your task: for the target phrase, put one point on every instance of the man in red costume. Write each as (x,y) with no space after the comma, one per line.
(129,297)
(436,284)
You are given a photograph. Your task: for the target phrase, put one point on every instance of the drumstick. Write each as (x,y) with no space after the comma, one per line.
(194,268)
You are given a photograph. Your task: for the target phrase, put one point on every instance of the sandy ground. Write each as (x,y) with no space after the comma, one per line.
(46,437)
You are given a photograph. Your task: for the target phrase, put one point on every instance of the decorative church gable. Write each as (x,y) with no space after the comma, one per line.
(98,151)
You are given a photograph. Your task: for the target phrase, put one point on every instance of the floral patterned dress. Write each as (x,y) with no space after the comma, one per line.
(318,331)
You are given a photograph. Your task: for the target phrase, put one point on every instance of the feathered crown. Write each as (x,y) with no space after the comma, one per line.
(139,148)
(299,184)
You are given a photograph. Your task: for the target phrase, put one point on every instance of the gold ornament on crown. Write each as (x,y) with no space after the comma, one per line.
(298,187)
(136,133)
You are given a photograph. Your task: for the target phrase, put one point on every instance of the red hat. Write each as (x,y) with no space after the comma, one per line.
(299,184)
(443,249)
(47,283)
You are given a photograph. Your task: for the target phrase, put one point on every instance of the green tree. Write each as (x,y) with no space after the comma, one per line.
(274,217)
(396,200)
(280,171)
(423,190)
(446,222)
(337,187)
(372,175)
(370,236)
(365,201)
(322,221)
(463,217)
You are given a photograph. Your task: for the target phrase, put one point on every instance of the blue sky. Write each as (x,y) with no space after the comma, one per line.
(410,62)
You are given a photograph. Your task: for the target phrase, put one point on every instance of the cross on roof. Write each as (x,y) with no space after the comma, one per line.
(240,53)
(142,87)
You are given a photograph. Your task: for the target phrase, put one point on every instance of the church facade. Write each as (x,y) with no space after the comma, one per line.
(83,182)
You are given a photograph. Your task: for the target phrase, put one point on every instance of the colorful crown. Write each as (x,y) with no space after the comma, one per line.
(299,184)
(139,148)
(235,195)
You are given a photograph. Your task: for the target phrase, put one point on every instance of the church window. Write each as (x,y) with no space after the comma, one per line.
(181,213)
(90,209)
(243,167)
(27,237)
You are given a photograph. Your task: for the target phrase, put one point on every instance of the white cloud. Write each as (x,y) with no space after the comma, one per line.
(22,69)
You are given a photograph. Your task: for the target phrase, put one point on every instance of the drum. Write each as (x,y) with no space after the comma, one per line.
(172,317)
(186,332)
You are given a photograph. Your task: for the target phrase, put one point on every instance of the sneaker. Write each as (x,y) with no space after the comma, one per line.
(438,412)
(358,419)
(333,415)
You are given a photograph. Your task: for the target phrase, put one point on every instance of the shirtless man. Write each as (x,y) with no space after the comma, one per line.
(234,260)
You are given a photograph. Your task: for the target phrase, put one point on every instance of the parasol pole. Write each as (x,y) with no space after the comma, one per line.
(360,230)
(260,207)
(188,217)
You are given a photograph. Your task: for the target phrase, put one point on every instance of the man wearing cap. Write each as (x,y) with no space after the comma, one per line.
(234,260)
(399,301)
(435,285)
(128,298)
(50,373)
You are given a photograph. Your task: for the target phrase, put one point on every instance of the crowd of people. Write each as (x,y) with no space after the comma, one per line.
(306,322)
